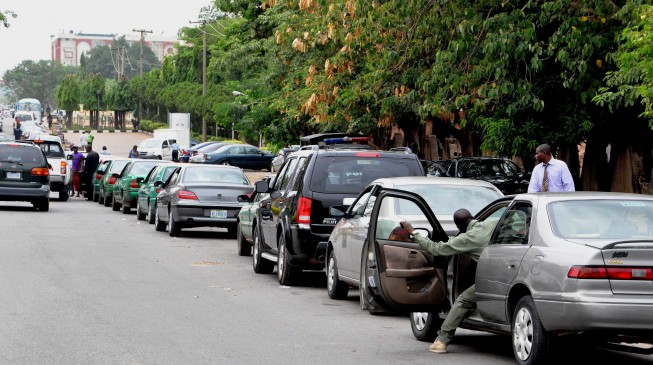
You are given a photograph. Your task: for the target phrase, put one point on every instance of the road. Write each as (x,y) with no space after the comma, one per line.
(82,284)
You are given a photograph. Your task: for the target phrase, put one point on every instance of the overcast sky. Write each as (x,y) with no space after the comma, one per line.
(28,37)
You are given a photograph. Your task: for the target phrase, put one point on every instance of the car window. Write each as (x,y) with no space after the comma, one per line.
(277,181)
(347,175)
(236,150)
(446,199)
(213,175)
(142,168)
(117,166)
(358,208)
(251,151)
(152,174)
(514,226)
(103,166)
(285,181)
(165,144)
(22,155)
(168,171)
(387,225)
(173,178)
(299,173)
(51,149)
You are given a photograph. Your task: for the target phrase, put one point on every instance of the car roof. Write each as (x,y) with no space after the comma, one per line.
(430,180)
(582,195)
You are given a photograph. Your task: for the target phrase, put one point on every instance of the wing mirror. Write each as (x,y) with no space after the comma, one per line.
(139,180)
(337,211)
(244,198)
(158,184)
(261,187)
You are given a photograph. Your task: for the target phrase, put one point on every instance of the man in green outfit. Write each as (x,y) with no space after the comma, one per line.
(473,238)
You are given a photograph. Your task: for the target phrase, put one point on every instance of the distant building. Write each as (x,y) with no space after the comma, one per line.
(67,48)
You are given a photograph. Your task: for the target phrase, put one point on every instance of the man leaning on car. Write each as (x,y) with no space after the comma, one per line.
(473,238)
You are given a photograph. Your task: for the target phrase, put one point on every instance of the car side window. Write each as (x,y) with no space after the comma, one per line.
(236,151)
(173,179)
(392,211)
(290,169)
(358,208)
(299,173)
(278,180)
(251,151)
(151,175)
(165,144)
(514,226)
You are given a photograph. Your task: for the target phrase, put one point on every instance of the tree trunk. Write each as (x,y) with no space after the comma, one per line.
(597,173)
(622,180)
(569,154)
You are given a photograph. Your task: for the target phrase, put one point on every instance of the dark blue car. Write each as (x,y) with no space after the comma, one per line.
(186,153)
(242,155)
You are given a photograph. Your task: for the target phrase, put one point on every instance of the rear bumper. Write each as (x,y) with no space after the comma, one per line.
(129,199)
(200,216)
(24,194)
(625,317)
(308,249)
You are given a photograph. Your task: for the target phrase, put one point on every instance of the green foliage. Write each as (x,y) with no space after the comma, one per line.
(150,125)
(122,57)
(4,17)
(68,93)
(37,80)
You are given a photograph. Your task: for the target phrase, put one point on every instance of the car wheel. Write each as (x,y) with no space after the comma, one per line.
(96,196)
(367,301)
(139,214)
(286,274)
(150,213)
(529,338)
(159,157)
(125,209)
(43,205)
(174,228)
(107,201)
(115,206)
(63,196)
(425,325)
(225,163)
(158,225)
(260,265)
(244,247)
(335,288)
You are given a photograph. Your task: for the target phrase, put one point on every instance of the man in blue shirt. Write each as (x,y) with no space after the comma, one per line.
(175,150)
(550,174)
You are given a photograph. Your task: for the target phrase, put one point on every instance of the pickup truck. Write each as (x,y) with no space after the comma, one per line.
(155,148)
(60,171)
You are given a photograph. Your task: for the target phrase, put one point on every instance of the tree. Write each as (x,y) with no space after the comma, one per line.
(36,80)
(4,17)
(68,95)
(121,57)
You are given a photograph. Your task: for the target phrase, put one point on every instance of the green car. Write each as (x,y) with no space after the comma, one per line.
(105,161)
(125,190)
(147,193)
(105,186)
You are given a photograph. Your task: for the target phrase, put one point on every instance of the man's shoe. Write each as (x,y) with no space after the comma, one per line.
(438,347)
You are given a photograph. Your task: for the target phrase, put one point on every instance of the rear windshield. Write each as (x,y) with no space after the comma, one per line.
(446,199)
(24,117)
(349,174)
(151,143)
(51,149)
(117,166)
(207,174)
(20,154)
(142,168)
(602,219)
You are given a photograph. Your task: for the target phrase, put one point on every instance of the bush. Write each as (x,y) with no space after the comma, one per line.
(150,125)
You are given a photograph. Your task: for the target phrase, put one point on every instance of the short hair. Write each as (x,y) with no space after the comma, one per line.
(544,148)
(104,147)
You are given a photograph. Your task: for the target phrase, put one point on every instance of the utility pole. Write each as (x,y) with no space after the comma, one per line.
(142,31)
(203,22)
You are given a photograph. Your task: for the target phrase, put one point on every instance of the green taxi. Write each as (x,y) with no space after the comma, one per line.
(105,186)
(125,190)
(147,193)
(105,161)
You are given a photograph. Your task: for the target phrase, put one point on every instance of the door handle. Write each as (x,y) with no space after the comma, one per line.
(511,266)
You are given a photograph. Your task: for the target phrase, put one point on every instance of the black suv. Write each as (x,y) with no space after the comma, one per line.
(502,173)
(24,174)
(292,224)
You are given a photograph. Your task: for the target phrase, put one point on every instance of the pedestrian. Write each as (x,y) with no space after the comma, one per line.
(90,165)
(49,120)
(90,138)
(473,238)
(550,174)
(104,151)
(175,150)
(17,132)
(83,139)
(133,153)
(78,164)
(415,148)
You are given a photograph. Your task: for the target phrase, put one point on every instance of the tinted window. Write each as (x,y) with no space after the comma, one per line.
(486,168)
(206,174)
(51,149)
(166,174)
(513,227)
(117,166)
(151,174)
(287,177)
(21,154)
(349,175)
(142,168)
(446,199)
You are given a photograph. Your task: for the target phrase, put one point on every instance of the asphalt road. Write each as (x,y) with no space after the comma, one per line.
(82,284)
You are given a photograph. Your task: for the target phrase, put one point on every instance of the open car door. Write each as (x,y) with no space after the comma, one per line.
(398,273)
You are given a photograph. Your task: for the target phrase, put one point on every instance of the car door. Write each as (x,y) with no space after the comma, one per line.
(399,274)
(165,196)
(265,212)
(253,158)
(236,156)
(501,261)
(144,191)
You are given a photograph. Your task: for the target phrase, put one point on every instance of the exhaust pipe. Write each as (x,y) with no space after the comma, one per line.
(320,259)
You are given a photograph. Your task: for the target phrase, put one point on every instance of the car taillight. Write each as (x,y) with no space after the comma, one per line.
(185,194)
(111,180)
(158,190)
(613,273)
(98,176)
(304,210)
(62,169)
(40,171)
(134,184)
(368,154)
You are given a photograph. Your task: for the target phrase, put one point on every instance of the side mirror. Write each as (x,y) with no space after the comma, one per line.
(261,187)
(337,211)
(158,184)
(244,198)
(139,180)
(69,157)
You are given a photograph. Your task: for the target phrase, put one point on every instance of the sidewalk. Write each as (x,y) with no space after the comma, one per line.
(118,144)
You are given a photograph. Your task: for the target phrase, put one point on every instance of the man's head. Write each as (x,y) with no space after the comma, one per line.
(543,153)
(89,148)
(461,218)
(104,148)
(75,148)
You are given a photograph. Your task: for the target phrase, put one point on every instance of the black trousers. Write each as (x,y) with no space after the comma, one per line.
(175,155)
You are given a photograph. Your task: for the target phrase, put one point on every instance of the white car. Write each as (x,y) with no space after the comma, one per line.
(60,168)
(155,148)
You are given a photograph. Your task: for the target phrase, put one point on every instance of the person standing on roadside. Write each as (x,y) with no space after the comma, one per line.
(90,165)
(175,150)
(133,153)
(78,164)
(49,121)
(104,151)
(550,175)
(83,139)
(473,238)
(89,138)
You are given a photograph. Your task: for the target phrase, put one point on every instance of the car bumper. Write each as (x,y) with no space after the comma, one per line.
(200,216)
(307,249)
(129,199)
(24,194)
(623,317)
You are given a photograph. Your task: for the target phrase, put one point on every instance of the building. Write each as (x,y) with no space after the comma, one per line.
(67,48)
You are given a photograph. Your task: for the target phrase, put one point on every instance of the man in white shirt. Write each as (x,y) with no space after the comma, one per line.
(83,139)
(550,175)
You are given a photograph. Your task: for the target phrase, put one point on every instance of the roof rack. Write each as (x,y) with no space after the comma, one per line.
(401,149)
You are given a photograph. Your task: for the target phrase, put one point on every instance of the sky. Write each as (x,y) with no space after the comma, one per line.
(29,35)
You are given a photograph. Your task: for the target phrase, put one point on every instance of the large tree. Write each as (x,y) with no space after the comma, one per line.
(35,80)
(4,17)
(120,58)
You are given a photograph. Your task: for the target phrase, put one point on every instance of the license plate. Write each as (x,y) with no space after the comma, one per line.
(218,213)
(13,175)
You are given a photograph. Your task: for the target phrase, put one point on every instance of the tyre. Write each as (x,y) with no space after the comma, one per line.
(63,196)
(158,225)
(43,205)
(224,163)
(335,288)
(159,158)
(150,213)
(107,201)
(244,247)
(286,274)
(96,196)
(425,325)
(115,206)
(260,265)
(174,228)
(139,215)
(529,338)
(125,209)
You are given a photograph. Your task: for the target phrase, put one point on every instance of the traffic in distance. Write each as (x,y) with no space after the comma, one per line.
(571,267)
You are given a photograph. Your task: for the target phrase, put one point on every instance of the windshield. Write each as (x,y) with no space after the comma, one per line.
(20,154)
(150,143)
(608,219)
(51,149)
(24,117)
(207,174)
(446,199)
(487,167)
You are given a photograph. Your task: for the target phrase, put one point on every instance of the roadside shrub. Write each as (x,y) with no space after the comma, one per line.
(150,125)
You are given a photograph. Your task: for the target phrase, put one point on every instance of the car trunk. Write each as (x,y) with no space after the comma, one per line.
(223,194)
(321,221)
(630,266)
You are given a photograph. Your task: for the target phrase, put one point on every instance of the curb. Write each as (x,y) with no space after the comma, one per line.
(101,131)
